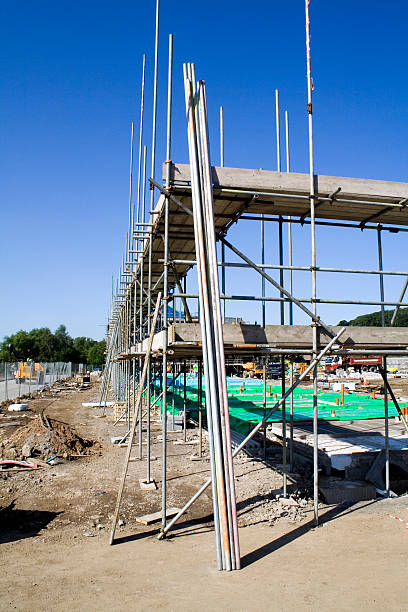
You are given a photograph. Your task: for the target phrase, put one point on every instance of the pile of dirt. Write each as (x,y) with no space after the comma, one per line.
(47,438)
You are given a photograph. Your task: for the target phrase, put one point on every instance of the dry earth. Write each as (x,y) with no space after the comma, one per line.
(54,534)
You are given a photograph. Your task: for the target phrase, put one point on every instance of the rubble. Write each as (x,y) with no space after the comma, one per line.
(36,439)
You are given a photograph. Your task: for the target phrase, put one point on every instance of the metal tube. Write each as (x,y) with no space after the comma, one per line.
(185,402)
(386,432)
(302,300)
(380,265)
(169,108)
(200,408)
(156,54)
(221,137)
(394,399)
(278,155)
(233,544)
(144,183)
(313,247)
(149,369)
(195,186)
(263,313)
(394,316)
(264,408)
(282,320)
(386,423)
(290,305)
(139,169)
(129,244)
(165,341)
(193,262)
(223,280)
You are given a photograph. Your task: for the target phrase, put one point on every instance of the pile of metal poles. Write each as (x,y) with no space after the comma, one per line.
(222,476)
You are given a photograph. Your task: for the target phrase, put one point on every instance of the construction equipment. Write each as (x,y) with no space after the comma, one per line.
(29,371)
(359,364)
(255,370)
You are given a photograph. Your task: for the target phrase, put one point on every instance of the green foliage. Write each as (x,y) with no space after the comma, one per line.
(96,354)
(373,319)
(43,345)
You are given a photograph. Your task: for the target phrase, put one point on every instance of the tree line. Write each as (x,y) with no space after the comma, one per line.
(42,345)
(373,319)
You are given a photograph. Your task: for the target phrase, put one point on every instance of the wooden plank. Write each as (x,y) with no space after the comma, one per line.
(297,336)
(184,336)
(155,517)
(293,182)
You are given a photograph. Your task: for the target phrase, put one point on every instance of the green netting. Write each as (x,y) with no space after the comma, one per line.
(246,406)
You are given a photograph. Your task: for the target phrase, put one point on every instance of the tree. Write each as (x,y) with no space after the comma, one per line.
(82,346)
(40,344)
(373,319)
(96,354)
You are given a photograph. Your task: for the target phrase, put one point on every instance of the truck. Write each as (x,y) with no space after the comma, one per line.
(360,364)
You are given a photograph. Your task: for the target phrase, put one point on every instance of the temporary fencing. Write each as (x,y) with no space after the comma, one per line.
(24,377)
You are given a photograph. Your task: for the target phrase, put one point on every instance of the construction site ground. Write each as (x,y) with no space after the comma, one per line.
(55,524)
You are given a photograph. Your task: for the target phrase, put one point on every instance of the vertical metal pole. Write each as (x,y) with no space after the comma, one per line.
(6,380)
(200,407)
(139,168)
(169,109)
(381,276)
(130,233)
(386,423)
(144,184)
(278,155)
(185,401)
(149,367)
(263,317)
(264,409)
(223,304)
(156,55)
(290,304)
(165,339)
(165,281)
(185,291)
(313,248)
(289,219)
(282,320)
(221,136)
(281,272)
(173,387)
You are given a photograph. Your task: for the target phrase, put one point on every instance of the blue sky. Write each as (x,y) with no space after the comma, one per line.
(70,87)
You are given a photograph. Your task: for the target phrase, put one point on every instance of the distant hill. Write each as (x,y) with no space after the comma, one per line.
(374,319)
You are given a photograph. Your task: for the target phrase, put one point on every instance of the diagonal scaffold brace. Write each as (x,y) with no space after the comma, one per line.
(134,419)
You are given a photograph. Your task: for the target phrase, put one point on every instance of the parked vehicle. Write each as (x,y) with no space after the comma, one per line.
(360,364)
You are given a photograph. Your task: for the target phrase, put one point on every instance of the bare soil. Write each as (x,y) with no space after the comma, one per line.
(55,522)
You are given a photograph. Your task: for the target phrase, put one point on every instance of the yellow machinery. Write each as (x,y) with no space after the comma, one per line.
(300,367)
(28,370)
(252,370)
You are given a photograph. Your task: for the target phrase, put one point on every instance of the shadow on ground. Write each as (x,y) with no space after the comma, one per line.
(330,515)
(21,524)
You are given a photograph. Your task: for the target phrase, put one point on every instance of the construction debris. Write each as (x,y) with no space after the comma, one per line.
(47,438)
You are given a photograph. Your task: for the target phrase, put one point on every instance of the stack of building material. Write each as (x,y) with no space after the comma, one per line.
(225,519)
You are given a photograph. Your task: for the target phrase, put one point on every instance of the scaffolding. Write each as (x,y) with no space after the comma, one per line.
(157,322)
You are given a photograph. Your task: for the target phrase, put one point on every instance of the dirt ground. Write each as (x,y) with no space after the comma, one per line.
(56,520)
